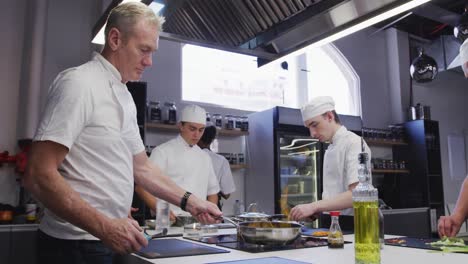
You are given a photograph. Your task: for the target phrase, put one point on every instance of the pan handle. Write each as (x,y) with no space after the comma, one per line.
(230,221)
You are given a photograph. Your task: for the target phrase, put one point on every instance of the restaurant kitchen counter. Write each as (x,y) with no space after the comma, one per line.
(323,255)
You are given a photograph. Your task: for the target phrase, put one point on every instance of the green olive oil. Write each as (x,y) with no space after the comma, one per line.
(366,216)
(366,232)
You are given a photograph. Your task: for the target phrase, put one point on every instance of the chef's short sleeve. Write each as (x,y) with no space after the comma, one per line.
(67,110)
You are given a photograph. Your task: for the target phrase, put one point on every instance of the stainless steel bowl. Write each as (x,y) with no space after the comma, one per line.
(269,233)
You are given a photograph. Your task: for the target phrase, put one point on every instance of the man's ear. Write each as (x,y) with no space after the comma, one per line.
(330,115)
(114,38)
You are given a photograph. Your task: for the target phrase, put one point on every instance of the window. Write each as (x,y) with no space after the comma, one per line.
(329,73)
(233,80)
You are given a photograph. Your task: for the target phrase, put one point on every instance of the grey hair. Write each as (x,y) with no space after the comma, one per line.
(125,16)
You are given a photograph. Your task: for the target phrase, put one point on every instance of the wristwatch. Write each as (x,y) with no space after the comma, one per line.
(183,201)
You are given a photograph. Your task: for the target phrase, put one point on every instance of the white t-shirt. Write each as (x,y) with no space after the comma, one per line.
(188,166)
(222,172)
(340,165)
(91,112)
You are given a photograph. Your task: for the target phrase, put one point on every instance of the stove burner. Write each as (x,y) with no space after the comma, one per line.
(230,241)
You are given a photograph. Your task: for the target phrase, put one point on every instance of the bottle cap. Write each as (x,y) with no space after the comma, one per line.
(335,213)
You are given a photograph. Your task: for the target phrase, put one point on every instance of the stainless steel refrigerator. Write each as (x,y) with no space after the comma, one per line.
(285,163)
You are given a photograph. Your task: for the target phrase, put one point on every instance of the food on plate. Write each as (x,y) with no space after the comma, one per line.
(448,242)
(396,241)
(320,233)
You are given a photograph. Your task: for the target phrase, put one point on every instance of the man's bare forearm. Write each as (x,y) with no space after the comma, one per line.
(44,181)
(341,201)
(213,198)
(461,208)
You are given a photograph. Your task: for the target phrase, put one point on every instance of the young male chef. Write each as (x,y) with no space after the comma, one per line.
(184,162)
(340,166)
(220,165)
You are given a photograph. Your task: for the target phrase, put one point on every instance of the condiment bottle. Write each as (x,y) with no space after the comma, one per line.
(335,236)
(366,216)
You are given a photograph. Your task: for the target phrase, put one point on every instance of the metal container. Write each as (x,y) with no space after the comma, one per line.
(424,112)
(412,115)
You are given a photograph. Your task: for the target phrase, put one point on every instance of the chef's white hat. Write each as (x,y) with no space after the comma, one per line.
(317,106)
(464,55)
(194,114)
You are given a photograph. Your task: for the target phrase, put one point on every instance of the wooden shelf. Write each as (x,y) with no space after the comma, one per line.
(175,128)
(377,142)
(297,194)
(238,166)
(390,171)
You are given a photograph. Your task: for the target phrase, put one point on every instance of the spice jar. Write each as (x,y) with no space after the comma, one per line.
(154,112)
(238,122)
(229,124)
(208,119)
(245,123)
(171,116)
(218,120)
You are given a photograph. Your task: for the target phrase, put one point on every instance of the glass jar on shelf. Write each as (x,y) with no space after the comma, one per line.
(154,112)
(229,122)
(208,119)
(238,122)
(171,113)
(245,123)
(218,120)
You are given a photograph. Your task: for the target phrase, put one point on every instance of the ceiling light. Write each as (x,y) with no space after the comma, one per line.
(364,24)
(100,38)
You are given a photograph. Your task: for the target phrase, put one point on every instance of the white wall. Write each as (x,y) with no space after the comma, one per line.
(12,21)
(368,55)
(447,96)
(67,43)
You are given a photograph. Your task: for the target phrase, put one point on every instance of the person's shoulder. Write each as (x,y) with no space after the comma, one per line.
(219,158)
(170,144)
(84,75)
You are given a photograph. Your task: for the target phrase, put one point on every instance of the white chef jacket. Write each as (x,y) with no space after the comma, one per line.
(222,172)
(340,165)
(90,111)
(188,166)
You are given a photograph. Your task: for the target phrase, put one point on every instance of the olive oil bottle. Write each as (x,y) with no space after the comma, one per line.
(366,216)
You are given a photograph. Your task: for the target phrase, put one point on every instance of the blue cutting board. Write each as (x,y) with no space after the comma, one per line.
(167,248)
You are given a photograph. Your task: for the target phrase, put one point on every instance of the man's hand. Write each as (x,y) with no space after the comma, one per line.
(123,236)
(449,225)
(204,211)
(304,211)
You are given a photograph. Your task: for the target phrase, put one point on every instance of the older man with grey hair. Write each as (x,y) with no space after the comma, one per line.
(87,152)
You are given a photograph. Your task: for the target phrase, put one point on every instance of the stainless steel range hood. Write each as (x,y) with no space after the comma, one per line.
(267,29)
